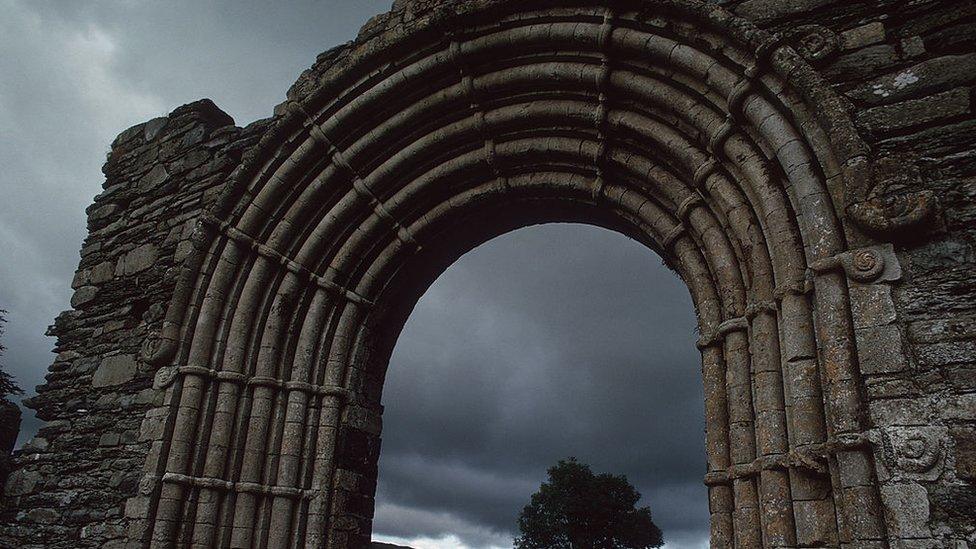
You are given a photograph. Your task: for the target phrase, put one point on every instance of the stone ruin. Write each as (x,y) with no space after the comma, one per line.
(808,168)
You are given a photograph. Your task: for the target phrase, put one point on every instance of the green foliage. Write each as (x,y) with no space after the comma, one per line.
(7,384)
(576,509)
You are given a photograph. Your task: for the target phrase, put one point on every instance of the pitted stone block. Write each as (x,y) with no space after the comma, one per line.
(880,350)
(907,510)
(138,260)
(115,370)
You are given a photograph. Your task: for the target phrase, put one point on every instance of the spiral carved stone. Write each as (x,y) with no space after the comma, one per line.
(888,201)
(164,377)
(913,452)
(866,265)
(150,347)
(815,43)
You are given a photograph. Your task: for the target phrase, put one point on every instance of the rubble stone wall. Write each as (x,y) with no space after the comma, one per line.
(72,479)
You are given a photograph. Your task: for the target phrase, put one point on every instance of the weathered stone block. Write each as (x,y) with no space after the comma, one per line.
(81,278)
(115,370)
(964,451)
(942,354)
(853,468)
(913,46)
(109,439)
(43,516)
(183,250)
(103,272)
(915,112)
(153,128)
(810,518)
(139,259)
(865,35)
(906,510)
(868,60)
(927,77)
(83,296)
(899,411)
(960,407)
(879,350)
(156,177)
(872,305)
(103,212)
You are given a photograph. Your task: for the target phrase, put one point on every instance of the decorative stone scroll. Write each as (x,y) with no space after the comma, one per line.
(864,265)
(816,43)
(886,202)
(913,453)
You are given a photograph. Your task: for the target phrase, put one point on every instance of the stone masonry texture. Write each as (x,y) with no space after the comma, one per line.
(841,403)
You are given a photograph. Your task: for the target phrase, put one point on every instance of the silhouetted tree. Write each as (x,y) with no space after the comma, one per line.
(576,509)
(7,384)
(9,413)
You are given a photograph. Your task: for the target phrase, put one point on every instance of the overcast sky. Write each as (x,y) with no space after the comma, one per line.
(549,342)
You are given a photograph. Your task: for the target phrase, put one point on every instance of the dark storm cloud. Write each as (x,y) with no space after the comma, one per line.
(545,343)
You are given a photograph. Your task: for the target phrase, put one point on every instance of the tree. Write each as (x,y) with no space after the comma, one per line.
(7,384)
(576,509)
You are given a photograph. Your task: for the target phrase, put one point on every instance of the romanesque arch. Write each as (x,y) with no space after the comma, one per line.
(219,380)
(674,122)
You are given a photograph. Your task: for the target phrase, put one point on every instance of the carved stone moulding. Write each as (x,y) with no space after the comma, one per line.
(891,203)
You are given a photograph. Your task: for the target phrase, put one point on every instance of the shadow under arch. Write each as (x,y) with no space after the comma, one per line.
(670,121)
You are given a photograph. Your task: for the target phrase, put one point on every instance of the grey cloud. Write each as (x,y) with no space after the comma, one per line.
(411,523)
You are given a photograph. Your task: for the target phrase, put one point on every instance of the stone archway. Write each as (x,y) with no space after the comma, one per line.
(674,122)
(219,379)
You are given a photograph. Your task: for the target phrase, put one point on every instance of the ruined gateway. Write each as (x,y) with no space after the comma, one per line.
(808,168)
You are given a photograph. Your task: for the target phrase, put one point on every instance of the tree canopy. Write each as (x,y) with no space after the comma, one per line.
(577,509)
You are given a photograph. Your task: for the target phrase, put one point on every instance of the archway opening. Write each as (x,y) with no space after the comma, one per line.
(551,341)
